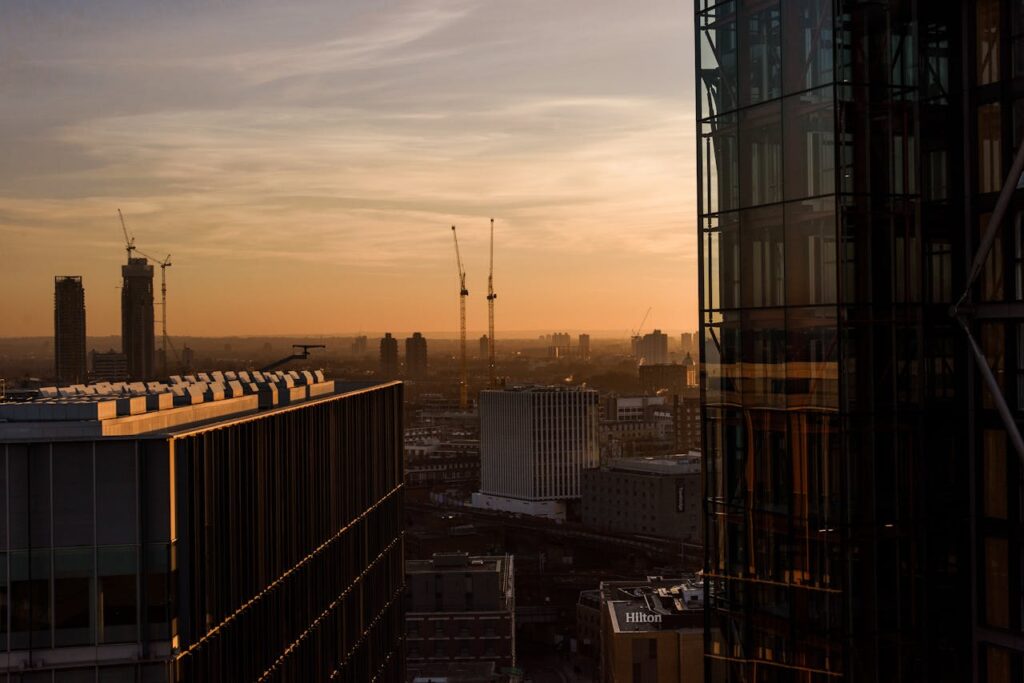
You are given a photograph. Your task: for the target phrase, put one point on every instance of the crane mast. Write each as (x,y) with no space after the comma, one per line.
(463,293)
(491,296)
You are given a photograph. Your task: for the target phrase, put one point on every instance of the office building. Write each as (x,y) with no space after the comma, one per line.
(652,348)
(388,357)
(137,330)
(650,496)
(461,608)
(688,343)
(584,347)
(239,527)
(69,329)
(633,408)
(485,350)
(652,631)
(534,444)
(108,366)
(862,487)
(416,356)
(686,420)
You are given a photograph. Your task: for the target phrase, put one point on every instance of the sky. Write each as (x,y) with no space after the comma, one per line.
(302,161)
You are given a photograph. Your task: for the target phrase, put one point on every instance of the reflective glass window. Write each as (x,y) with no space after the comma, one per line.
(764,358)
(993,344)
(997,582)
(117,599)
(72,495)
(157,591)
(811,260)
(990,148)
(73,597)
(30,599)
(812,358)
(722,354)
(994,496)
(722,262)
(116,502)
(760,51)
(761,154)
(807,57)
(987,23)
(762,257)
(720,172)
(809,129)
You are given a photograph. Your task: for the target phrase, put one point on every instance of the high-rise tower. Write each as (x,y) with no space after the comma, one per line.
(416,356)
(137,334)
(863,497)
(69,329)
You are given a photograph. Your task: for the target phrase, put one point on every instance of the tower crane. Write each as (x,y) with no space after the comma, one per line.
(491,296)
(463,293)
(635,338)
(165,340)
(129,240)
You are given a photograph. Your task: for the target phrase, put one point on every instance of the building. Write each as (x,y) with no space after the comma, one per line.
(448,462)
(416,356)
(686,420)
(236,527)
(664,378)
(688,343)
(108,366)
(584,347)
(485,349)
(651,348)
(861,289)
(69,329)
(137,330)
(633,408)
(359,345)
(461,609)
(652,496)
(388,357)
(534,444)
(652,631)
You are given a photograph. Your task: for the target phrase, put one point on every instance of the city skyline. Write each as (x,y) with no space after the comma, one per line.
(374,128)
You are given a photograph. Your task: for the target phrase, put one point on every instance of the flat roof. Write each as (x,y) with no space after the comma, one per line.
(656,608)
(457,562)
(126,409)
(683,463)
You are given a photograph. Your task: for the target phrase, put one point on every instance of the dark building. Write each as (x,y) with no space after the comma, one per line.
(461,608)
(236,530)
(137,331)
(388,357)
(663,378)
(69,329)
(416,356)
(108,366)
(485,348)
(583,351)
(863,494)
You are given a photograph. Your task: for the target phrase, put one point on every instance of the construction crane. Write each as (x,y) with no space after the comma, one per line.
(164,265)
(634,340)
(129,240)
(463,293)
(302,354)
(491,296)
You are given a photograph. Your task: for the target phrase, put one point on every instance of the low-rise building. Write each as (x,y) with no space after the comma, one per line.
(461,608)
(653,496)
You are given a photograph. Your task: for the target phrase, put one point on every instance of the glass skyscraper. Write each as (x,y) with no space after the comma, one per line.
(863,499)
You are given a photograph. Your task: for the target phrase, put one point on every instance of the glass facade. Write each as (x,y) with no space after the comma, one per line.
(862,500)
(262,548)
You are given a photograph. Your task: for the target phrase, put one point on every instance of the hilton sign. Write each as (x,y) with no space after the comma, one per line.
(642,618)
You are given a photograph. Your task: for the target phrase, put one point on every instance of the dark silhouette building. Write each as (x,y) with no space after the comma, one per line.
(137,330)
(388,357)
(862,339)
(69,329)
(247,528)
(584,347)
(416,356)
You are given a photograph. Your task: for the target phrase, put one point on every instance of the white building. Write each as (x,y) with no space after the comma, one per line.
(534,444)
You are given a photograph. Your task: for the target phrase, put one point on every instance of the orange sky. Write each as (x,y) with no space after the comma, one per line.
(302,161)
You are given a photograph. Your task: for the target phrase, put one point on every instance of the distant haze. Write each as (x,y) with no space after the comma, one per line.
(302,162)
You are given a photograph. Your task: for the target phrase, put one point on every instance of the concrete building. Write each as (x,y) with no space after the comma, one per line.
(416,356)
(652,632)
(663,378)
(652,496)
(388,357)
(209,529)
(448,462)
(108,366)
(652,348)
(69,329)
(137,332)
(461,609)
(534,444)
(583,350)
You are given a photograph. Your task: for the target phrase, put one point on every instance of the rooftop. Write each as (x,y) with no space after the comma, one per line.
(657,607)
(460,562)
(120,409)
(682,463)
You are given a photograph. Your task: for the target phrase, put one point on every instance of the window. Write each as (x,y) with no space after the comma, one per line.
(718,59)
(809,126)
(812,367)
(990,148)
(720,156)
(115,493)
(72,496)
(994,475)
(763,249)
(117,599)
(811,266)
(760,137)
(760,52)
(764,358)
(807,59)
(997,583)
(987,27)
(73,603)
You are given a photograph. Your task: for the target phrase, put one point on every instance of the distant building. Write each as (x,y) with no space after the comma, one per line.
(137,333)
(561,343)
(633,408)
(686,420)
(359,345)
(485,349)
(688,343)
(534,443)
(584,347)
(663,378)
(109,366)
(188,358)
(652,348)
(416,356)
(461,608)
(436,462)
(652,632)
(240,527)
(654,496)
(388,357)
(69,329)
